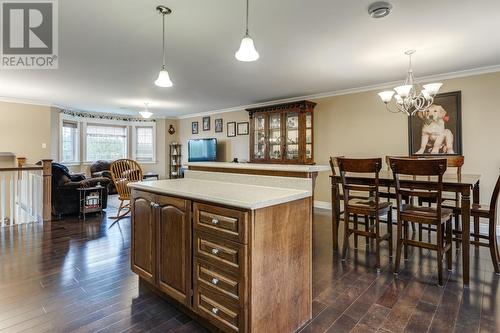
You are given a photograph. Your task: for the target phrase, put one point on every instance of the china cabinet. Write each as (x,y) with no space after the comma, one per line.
(282,133)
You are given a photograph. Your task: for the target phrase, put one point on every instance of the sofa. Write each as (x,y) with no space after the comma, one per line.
(65,196)
(102,169)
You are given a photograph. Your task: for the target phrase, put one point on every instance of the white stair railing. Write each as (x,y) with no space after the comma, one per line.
(25,194)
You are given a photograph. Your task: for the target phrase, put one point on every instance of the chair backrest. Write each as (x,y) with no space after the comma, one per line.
(494,198)
(388,157)
(125,171)
(360,165)
(334,163)
(414,187)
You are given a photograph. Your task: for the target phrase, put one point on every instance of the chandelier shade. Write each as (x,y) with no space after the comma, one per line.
(145,113)
(409,97)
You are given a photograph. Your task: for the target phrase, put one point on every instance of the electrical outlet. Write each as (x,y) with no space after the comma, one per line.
(44,145)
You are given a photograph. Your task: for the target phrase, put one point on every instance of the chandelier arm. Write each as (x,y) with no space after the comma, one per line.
(391,110)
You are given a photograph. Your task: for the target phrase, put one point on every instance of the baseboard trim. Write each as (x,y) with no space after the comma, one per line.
(483,227)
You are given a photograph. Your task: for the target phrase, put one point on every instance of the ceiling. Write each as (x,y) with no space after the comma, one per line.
(110,51)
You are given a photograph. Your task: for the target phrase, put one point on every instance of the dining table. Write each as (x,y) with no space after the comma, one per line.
(463,184)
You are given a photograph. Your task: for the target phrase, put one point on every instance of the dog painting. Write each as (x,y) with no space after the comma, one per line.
(437,130)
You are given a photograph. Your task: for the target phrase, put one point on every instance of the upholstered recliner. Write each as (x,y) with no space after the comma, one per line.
(65,196)
(102,169)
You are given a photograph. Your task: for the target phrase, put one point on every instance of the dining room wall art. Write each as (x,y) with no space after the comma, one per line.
(438,129)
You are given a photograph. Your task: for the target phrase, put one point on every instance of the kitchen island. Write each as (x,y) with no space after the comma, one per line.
(234,254)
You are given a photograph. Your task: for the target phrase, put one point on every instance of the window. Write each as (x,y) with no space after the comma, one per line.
(69,142)
(144,144)
(106,142)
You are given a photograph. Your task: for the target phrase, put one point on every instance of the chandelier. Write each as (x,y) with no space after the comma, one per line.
(410,98)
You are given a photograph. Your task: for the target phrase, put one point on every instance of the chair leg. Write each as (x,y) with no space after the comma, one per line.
(367,228)
(377,242)
(347,216)
(492,244)
(449,241)
(406,236)
(399,244)
(476,231)
(440,254)
(413,228)
(457,227)
(389,230)
(420,232)
(355,228)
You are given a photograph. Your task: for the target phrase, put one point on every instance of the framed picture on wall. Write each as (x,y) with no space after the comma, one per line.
(243,128)
(194,127)
(231,129)
(437,130)
(206,123)
(218,125)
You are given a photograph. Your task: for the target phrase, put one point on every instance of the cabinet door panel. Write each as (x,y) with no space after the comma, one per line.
(174,248)
(143,245)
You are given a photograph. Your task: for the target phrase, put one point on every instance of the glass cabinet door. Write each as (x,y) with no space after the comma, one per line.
(275,136)
(259,135)
(292,135)
(309,138)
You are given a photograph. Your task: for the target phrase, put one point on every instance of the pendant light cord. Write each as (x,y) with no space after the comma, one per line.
(246,26)
(163,38)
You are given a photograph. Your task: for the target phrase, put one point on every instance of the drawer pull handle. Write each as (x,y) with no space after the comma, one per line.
(152,204)
(156,205)
(215,221)
(215,281)
(215,251)
(215,311)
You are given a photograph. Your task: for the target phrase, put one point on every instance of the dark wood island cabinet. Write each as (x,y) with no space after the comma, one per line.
(234,269)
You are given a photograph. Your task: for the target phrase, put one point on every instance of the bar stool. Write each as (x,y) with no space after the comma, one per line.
(368,205)
(438,216)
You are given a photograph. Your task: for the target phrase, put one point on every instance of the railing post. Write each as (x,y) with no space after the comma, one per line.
(47,185)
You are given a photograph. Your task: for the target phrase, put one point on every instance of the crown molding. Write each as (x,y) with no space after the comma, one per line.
(25,101)
(423,79)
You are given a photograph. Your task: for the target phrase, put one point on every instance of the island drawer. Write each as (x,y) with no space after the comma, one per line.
(219,310)
(224,222)
(211,277)
(223,254)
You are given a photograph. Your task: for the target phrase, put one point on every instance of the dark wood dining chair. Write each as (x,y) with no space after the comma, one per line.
(334,164)
(368,205)
(450,200)
(437,216)
(487,212)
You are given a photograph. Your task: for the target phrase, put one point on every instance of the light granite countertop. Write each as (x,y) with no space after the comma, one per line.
(263,166)
(226,193)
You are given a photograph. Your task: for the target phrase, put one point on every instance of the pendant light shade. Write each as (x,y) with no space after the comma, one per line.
(163,79)
(146,114)
(247,51)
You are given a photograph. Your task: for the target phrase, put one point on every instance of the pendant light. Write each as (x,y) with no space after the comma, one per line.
(163,79)
(247,51)
(146,114)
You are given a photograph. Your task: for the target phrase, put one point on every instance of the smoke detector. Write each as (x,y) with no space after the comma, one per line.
(379,9)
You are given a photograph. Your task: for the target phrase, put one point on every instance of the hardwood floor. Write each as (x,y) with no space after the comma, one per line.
(71,276)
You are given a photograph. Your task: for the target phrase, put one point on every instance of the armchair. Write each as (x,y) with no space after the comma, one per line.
(65,197)
(102,169)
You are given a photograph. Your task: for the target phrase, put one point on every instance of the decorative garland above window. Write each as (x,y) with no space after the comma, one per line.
(103,116)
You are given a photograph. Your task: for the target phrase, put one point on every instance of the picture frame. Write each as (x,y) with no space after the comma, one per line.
(206,123)
(445,116)
(218,125)
(242,128)
(194,127)
(231,129)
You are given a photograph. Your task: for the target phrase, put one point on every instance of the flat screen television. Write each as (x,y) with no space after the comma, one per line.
(202,150)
